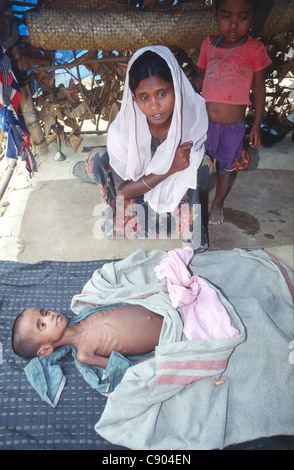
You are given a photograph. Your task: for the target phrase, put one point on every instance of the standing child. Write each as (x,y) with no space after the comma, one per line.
(231,64)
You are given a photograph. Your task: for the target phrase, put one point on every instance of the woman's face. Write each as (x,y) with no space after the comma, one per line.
(155,98)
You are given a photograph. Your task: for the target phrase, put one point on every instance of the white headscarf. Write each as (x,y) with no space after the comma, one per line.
(129,138)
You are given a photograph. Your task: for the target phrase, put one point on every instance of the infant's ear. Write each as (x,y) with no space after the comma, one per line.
(45,351)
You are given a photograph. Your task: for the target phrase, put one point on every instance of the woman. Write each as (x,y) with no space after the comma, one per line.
(155,147)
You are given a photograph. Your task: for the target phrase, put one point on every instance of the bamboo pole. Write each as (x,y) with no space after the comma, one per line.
(75,63)
(7,175)
(89,109)
(29,112)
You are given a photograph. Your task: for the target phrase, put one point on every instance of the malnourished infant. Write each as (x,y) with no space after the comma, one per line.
(128,329)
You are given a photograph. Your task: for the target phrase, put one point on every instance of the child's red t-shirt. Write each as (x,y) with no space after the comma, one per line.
(232,78)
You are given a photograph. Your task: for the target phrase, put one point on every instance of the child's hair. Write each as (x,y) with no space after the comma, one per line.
(147,65)
(253,4)
(22,346)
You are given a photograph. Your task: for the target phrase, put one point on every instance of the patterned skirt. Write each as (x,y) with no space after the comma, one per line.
(134,218)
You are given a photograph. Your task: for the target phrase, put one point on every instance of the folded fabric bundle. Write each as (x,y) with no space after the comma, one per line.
(204,314)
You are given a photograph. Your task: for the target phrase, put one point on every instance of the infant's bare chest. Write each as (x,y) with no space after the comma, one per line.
(107,330)
(123,329)
(100,326)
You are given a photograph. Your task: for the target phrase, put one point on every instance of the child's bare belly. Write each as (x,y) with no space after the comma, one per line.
(224,113)
(130,330)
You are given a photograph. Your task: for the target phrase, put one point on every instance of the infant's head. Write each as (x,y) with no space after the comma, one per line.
(36,331)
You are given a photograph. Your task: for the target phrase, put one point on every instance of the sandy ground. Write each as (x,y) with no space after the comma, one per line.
(13,203)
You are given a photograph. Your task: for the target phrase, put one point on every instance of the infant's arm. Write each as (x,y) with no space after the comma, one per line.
(92,359)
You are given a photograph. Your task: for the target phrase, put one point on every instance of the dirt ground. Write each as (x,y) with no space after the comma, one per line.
(241,222)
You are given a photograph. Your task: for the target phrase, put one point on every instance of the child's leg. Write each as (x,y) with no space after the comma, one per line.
(229,148)
(225,180)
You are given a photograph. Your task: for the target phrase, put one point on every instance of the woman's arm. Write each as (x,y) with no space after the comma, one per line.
(180,162)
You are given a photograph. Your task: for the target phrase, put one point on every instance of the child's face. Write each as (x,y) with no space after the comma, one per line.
(155,98)
(46,326)
(234,19)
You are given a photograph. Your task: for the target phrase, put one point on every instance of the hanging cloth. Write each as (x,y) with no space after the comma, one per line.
(18,137)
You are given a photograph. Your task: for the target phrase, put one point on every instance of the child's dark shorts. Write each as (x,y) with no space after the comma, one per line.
(225,142)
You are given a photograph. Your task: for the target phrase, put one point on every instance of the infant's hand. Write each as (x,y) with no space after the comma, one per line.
(182,157)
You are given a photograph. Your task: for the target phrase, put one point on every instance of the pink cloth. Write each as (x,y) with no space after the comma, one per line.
(232,78)
(205,317)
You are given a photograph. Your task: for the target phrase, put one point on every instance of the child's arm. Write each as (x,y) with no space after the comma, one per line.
(198,81)
(92,359)
(259,103)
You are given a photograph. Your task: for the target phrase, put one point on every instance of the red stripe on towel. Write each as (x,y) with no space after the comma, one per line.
(177,379)
(193,365)
(284,272)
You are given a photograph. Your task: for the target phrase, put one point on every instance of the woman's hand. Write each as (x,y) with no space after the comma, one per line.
(180,162)
(181,159)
